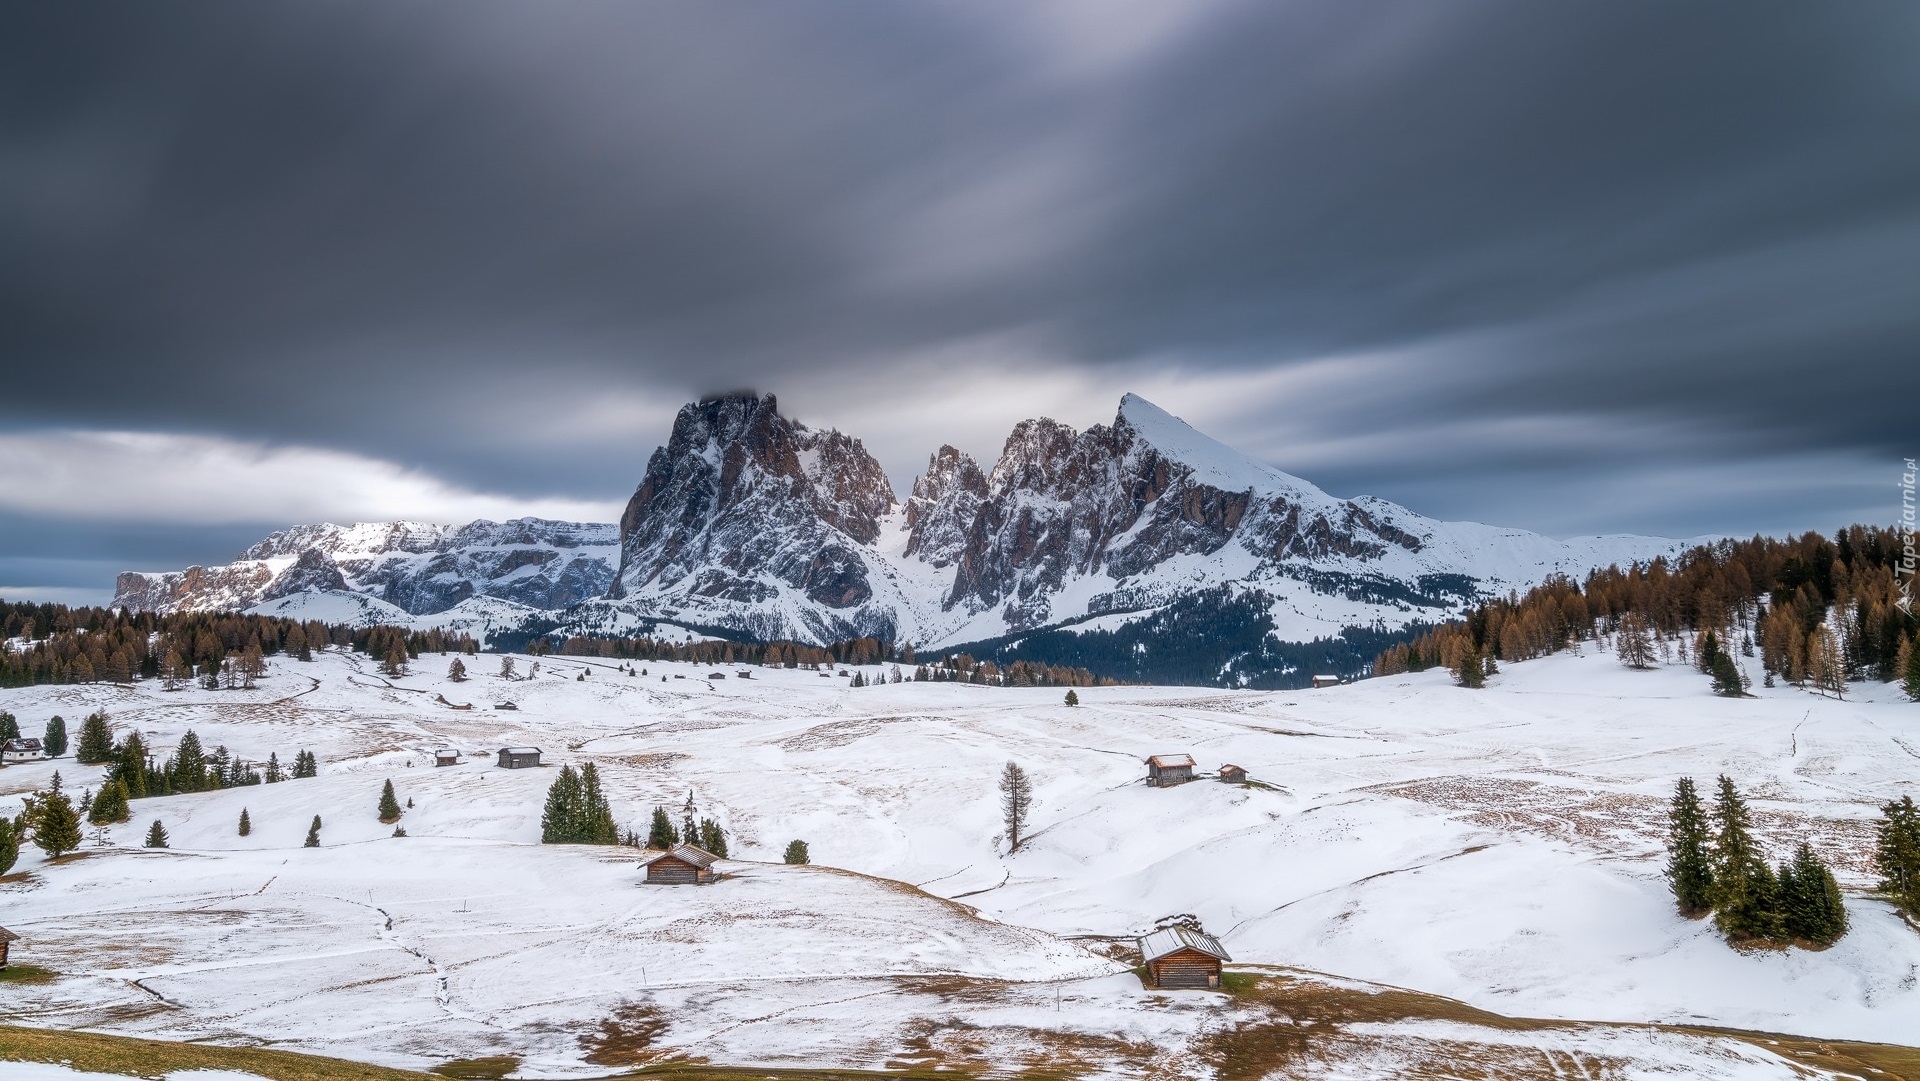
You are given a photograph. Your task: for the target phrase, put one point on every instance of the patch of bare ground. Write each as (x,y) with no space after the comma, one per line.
(148,1058)
(658,760)
(1620,823)
(1309,1026)
(1016,1051)
(627,1038)
(1879,1061)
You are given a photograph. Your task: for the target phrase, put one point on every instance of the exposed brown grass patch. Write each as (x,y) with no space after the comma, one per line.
(627,1038)
(491,1068)
(147,1058)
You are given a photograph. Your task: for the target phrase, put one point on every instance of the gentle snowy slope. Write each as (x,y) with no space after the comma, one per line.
(1500,847)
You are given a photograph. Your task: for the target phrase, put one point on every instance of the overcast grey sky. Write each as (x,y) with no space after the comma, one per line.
(1577,267)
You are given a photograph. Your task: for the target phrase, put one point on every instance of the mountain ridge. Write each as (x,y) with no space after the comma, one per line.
(753,523)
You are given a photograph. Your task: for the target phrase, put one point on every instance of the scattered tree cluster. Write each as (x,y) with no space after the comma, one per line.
(1817,612)
(1715,866)
(577,812)
(87,645)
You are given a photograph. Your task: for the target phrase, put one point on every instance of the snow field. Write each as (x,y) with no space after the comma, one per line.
(1499,847)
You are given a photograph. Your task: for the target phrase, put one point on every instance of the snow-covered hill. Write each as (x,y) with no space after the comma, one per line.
(1500,847)
(751,522)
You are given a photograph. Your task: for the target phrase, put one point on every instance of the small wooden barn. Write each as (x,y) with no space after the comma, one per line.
(682,865)
(1325,681)
(1183,957)
(1232,774)
(22,750)
(519,757)
(446,756)
(7,938)
(1167,770)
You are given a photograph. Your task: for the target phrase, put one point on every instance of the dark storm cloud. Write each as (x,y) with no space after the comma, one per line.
(503,242)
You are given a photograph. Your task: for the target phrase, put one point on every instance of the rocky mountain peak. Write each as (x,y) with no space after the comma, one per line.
(743,505)
(945,501)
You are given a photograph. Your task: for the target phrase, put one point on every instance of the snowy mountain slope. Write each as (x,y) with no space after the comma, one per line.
(416,567)
(1501,847)
(750,522)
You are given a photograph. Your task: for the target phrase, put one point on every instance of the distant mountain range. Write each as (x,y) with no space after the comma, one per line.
(748,523)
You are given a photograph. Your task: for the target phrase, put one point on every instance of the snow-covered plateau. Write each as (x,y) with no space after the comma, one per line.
(1501,848)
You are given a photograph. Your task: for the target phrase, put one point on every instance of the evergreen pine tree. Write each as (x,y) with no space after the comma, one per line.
(1726,676)
(1746,905)
(130,766)
(305,765)
(713,838)
(797,853)
(56,827)
(689,831)
(1689,871)
(1472,674)
(9,726)
(274,776)
(597,826)
(661,834)
(189,769)
(1810,906)
(156,835)
(54,742)
(457,671)
(246,823)
(560,821)
(313,834)
(1897,854)
(1072,698)
(110,805)
(389,803)
(9,846)
(1909,662)
(96,740)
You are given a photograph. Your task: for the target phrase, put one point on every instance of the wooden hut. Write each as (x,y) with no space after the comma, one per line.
(1183,957)
(1325,681)
(7,938)
(1232,774)
(1167,770)
(682,865)
(446,756)
(519,757)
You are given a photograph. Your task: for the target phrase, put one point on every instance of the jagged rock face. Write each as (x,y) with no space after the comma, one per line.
(196,589)
(418,567)
(742,503)
(1059,505)
(946,499)
(1110,501)
(749,521)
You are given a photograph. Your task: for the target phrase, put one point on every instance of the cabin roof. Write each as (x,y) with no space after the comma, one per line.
(8,936)
(23,744)
(1170,761)
(447,750)
(1231,768)
(693,854)
(519,750)
(1178,937)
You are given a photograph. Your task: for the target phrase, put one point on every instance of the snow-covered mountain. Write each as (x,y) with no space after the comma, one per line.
(413,568)
(750,522)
